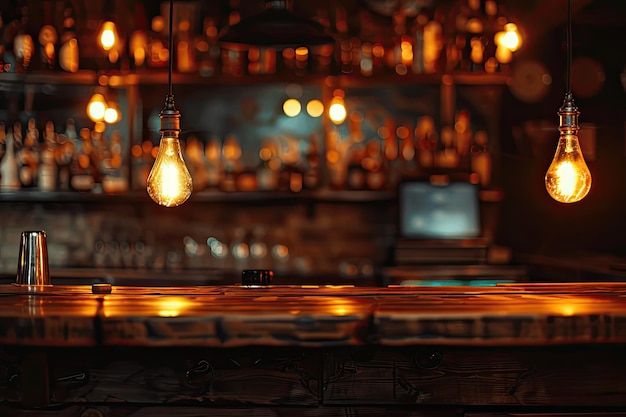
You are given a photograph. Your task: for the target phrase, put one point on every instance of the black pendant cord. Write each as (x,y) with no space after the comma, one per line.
(171,47)
(569,46)
(568,103)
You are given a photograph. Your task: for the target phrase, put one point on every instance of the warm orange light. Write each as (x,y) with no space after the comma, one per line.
(108,35)
(292,107)
(315,108)
(112,113)
(96,108)
(169,181)
(509,38)
(172,307)
(337,110)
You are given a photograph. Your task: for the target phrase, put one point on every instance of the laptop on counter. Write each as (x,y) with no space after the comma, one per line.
(440,238)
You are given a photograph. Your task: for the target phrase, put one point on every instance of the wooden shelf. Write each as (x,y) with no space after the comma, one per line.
(205,196)
(83,77)
(119,79)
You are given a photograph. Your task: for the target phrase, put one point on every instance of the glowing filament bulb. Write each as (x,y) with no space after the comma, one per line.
(169,182)
(108,35)
(96,107)
(568,179)
(511,38)
(112,113)
(337,110)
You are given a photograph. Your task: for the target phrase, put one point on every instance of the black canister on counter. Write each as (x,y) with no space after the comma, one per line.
(256,277)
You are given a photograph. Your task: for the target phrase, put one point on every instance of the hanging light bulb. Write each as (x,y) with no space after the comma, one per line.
(337,110)
(108,35)
(568,179)
(169,181)
(112,113)
(96,107)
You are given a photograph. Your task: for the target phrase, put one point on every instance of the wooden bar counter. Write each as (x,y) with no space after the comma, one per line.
(515,349)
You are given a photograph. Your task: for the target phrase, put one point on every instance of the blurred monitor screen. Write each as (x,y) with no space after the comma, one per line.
(433,211)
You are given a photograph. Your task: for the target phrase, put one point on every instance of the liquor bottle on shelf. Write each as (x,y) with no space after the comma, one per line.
(9,179)
(17,137)
(356,173)
(426,141)
(231,155)
(207,49)
(196,162)
(391,152)
(474,52)
(418,65)
(47,38)
(312,175)
(185,56)
(447,156)
(158,52)
(63,156)
(374,164)
(463,133)
(28,157)
(114,178)
(138,39)
(23,44)
(81,169)
(47,167)
(267,171)
(481,161)
(68,52)
(491,28)
(8,31)
(289,178)
(3,145)
(433,43)
(214,167)
(408,166)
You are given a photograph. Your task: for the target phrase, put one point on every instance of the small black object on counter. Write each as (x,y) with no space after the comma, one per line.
(256,277)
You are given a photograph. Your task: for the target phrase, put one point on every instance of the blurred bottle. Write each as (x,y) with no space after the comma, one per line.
(474,52)
(28,157)
(23,44)
(492,26)
(312,174)
(64,155)
(357,174)
(481,162)
(231,156)
(408,165)
(48,38)
(214,168)
(47,167)
(9,179)
(158,52)
(207,49)
(138,39)
(114,175)
(81,176)
(267,171)
(185,53)
(447,156)
(68,52)
(433,43)
(374,164)
(196,162)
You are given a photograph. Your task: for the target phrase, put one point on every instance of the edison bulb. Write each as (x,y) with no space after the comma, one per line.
(108,35)
(169,181)
(568,179)
(96,107)
(112,113)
